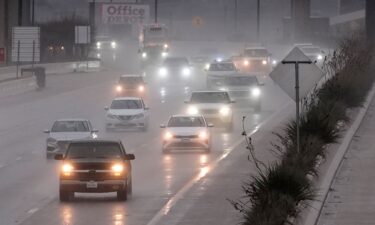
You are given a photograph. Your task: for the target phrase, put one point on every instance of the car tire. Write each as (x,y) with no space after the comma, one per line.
(130,185)
(122,195)
(65,195)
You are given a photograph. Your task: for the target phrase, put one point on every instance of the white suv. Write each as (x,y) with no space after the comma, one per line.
(126,112)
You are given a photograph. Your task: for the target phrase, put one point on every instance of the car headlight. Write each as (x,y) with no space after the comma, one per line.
(274,62)
(111,116)
(203,135)
(113,44)
(141,88)
(165,46)
(255,92)
(144,55)
(168,136)
(51,141)
(140,115)
(98,56)
(320,57)
(119,88)
(264,62)
(98,45)
(207,66)
(224,111)
(192,110)
(67,169)
(186,71)
(117,169)
(163,71)
(164,54)
(246,62)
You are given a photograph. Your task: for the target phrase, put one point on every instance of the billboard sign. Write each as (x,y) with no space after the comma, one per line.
(82,34)
(25,44)
(117,13)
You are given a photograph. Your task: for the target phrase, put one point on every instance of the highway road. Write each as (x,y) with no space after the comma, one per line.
(29,181)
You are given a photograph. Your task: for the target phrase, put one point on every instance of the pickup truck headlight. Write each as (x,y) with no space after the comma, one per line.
(144,55)
(67,169)
(141,88)
(319,57)
(168,136)
(119,88)
(164,54)
(224,111)
(203,135)
(117,169)
(113,44)
(264,62)
(246,62)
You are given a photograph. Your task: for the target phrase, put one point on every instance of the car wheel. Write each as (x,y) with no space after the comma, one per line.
(66,195)
(122,195)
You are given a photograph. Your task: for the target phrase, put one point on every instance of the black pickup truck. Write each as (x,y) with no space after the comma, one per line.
(95,166)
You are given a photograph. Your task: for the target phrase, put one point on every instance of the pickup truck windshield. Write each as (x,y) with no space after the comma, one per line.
(94,150)
(210,97)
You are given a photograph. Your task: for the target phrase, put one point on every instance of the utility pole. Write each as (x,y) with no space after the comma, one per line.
(236,16)
(156,11)
(258,21)
(32,12)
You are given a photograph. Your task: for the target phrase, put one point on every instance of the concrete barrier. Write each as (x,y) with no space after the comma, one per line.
(9,86)
(52,68)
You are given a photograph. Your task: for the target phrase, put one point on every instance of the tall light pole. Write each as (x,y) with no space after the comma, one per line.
(156,11)
(258,20)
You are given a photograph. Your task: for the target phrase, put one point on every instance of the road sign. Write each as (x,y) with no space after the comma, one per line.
(82,35)
(284,74)
(122,13)
(197,21)
(26,44)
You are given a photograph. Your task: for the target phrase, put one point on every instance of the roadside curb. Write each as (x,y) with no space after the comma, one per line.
(316,207)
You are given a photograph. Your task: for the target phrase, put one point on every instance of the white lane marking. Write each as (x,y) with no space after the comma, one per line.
(32,211)
(204,171)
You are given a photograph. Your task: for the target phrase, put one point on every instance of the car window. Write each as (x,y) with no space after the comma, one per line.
(176,62)
(256,52)
(94,150)
(131,80)
(127,104)
(222,67)
(241,81)
(186,121)
(70,126)
(210,97)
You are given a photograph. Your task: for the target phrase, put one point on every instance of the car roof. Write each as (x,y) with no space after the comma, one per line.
(187,115)
(95,141)
(209,91)
(130,75)
(71,119)
(127,98)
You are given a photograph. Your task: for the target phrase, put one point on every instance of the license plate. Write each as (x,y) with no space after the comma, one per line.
(92,184)
(185,139)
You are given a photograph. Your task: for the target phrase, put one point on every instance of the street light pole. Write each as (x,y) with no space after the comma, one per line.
(236,16)
(33,12)
(296,64)
(156,11)
(258,20)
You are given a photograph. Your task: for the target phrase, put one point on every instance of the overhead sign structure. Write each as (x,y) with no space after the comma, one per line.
(284,74)
(118,13)
(82,35)
(26,44)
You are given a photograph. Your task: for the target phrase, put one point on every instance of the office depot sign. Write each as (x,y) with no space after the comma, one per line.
(125,14)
